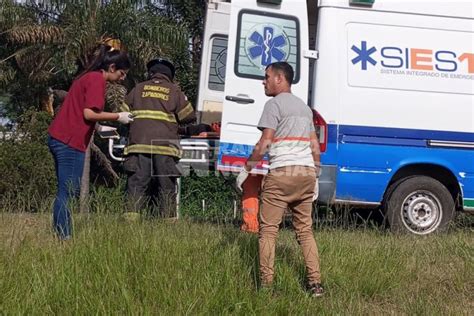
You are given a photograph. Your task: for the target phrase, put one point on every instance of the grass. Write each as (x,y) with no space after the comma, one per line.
(183,267)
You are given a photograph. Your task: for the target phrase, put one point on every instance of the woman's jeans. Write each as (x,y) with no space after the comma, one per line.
(69,163)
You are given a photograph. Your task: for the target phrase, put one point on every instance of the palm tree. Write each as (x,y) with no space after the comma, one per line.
(44,43)
(190,14)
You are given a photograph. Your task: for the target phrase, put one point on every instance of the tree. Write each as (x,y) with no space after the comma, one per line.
(44,43)
(190,14)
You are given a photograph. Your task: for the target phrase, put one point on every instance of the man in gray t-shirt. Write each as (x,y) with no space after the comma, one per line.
(289,137)
(292,121)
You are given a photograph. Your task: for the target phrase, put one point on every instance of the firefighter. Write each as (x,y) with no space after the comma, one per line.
(158,105)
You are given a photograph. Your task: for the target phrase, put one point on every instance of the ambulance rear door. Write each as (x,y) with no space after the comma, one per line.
(261,32)
(214,55)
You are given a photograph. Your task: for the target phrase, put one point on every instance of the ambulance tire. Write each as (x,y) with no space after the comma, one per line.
(420,205)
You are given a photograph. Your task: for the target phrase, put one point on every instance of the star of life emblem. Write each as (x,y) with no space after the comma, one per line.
(266,44)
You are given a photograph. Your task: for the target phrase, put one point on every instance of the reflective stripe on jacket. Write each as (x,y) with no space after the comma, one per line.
(158,106)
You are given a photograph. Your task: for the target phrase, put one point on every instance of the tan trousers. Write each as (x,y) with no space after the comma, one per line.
(288,187)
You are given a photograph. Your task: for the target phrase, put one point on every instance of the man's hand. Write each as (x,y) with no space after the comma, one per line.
(260,148)
(243,175)
(316,190)
(319,170)
(316,185)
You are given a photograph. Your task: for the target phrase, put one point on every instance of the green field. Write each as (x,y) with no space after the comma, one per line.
(181,267)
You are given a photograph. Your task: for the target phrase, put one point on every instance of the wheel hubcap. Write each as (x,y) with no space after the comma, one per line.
(421,212)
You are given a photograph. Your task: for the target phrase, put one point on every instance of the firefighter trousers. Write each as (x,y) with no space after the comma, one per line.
(152,180)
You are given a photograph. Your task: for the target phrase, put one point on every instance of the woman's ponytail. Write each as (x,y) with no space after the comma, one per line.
(105,56)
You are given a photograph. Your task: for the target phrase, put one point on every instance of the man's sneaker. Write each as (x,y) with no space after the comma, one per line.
(316,290)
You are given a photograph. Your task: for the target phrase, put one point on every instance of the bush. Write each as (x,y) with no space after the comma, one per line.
(208,197)
(28,178)
(26,165)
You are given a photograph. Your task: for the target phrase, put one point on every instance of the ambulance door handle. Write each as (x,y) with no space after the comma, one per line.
(239,99)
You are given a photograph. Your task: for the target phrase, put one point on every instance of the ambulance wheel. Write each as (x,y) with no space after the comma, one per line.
(420,205)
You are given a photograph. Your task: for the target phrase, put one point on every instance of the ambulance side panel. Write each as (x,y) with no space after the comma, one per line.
(397,92)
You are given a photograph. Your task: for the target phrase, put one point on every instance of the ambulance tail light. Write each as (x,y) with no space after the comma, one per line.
(321,130)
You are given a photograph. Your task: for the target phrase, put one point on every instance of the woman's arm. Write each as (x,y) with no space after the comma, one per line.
(92,116)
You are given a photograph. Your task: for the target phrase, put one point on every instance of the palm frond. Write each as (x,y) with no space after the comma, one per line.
(7,75)
(115,97)
(47,41)
(35,34)
(11,13)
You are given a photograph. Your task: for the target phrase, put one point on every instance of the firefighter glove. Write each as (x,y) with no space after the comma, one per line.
(125,117)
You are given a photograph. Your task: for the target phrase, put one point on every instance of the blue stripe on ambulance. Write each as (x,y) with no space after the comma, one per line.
(368,157)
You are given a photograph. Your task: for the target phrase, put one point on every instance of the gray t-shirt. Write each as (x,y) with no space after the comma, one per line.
(292,121)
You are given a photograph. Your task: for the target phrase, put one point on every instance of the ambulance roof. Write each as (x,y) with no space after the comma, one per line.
(448,8)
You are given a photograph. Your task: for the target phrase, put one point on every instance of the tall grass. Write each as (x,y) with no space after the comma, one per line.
(180,267)
(186,267)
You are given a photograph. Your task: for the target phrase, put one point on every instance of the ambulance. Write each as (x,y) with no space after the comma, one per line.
(391,85)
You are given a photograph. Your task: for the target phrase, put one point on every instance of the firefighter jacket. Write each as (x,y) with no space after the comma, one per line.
(158,106)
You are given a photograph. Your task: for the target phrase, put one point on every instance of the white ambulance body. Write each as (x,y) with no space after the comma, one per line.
(391,81)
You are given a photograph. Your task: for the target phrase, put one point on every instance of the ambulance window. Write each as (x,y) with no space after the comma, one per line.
(265,38)
(217,64)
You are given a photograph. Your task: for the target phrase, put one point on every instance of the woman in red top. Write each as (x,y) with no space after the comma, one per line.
(72,128)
